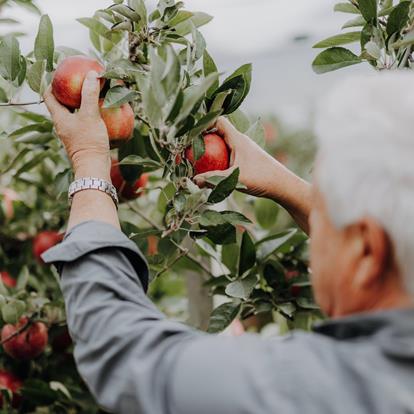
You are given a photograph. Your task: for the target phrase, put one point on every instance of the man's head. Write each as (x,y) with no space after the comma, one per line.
(362,248)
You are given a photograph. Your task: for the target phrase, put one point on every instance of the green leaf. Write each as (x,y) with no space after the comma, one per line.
(204,124)
(12,311)
(141,9)
(243,288)
(38,127)
(257,133)
(3,95)
(356,22)
(368,9)
(223,316)
(341,39)
(333,59)
(180,17)
(239,120)
(44,44)
(266,212)
(306,303)
(171,77)
(96,27)
(398,18)
(198,19)
(35,76)
(239,84)
(271,244)
(138,160)
(126,11)
(247,253)
(37,159)
(118,95)
(193,94)
(213,218)
(373,49)
(28,5)
(198,147)
(9,57)
(225,187)
(209,66)
(346,8)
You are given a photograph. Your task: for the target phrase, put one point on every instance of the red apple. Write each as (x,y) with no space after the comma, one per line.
(8,280)
(44,241)
(9,381)
(28,344)
(126,190)
(69,76)
(119,123)
(215,157)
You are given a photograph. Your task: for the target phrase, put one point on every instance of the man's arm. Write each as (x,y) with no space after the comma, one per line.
(134,360)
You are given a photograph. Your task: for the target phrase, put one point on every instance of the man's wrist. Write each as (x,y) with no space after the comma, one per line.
(93,165)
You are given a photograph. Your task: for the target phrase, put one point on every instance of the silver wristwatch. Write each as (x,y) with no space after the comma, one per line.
(91,183)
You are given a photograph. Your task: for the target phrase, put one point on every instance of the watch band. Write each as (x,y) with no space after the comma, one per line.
(92,183)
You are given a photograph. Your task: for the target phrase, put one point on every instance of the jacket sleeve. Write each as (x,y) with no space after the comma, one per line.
(133,359)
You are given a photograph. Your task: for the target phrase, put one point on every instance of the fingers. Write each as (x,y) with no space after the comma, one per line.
(226,130)
(202,179)
(56,109)
(90,94)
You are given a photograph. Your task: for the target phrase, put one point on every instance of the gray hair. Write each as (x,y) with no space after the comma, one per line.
(365,128)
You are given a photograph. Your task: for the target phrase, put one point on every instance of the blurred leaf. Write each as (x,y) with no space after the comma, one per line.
(37,159)
(35,75)
(243,288)
(9,57)
(12,311)
(180,17)
(225,187)
(223,315)
(356,22)
(44,44)
(373,49)
(368,9)
(3,96)
(198,147)
(306,303)
(137,160)
(118,95)
(266,212)
(271,244)
(126,11)
(346,8)
(239,120)
(257,133)
(341,39)
(398,18)
(247,254)
(28,5)
(215,218)
(198,19)
(333,59)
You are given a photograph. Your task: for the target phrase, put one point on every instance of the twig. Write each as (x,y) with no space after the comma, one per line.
(144,217)
(18,332)
(22,103)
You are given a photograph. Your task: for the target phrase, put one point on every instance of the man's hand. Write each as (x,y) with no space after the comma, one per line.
(254,163)
(262,174)
(83,133)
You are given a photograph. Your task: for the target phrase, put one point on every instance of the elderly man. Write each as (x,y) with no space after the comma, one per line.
(359,212)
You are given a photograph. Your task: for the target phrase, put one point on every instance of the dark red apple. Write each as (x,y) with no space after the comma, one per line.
(9,381)
(8,280)
(216,155)
(69,76)
(126,190)
(44,241)
(28,344)
(119,123)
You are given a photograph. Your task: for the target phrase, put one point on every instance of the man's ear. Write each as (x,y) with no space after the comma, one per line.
(375,253)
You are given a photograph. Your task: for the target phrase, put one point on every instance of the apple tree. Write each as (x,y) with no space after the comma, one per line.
(157,62)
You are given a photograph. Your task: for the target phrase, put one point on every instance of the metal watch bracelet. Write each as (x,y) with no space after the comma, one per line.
(92,183)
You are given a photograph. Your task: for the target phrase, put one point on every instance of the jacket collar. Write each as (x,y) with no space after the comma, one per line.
(392,330)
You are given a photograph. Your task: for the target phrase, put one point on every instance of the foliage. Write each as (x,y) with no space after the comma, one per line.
(177,94)
(384,30)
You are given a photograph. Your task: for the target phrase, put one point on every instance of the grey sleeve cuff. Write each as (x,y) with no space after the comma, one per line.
(92,236)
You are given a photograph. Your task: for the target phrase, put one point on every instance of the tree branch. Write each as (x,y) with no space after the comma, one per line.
(21,103)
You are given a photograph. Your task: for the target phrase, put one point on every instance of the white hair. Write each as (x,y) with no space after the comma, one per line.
(365,128)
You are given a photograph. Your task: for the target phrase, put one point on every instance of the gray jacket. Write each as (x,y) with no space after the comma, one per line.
(134,360)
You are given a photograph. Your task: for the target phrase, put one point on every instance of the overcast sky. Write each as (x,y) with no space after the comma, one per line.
(257,31)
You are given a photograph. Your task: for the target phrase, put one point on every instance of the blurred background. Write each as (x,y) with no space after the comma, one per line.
(275,35)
